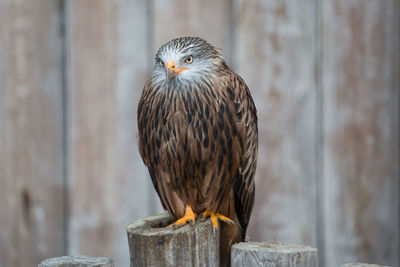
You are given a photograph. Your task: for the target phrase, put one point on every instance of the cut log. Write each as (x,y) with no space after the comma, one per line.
(362,265)
(153,243)
(273,255)
(77,261)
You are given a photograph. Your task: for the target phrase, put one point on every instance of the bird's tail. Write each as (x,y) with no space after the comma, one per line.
(229,235)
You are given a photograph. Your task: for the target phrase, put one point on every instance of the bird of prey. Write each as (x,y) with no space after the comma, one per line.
(198,137)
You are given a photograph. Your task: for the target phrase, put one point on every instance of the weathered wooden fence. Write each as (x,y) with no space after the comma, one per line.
(325,78)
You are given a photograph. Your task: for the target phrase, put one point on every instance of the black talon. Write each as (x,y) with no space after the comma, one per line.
(199,218)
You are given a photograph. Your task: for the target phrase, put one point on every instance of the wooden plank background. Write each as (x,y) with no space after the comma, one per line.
(31,132)
(109,185)
(270,36)
(325,76)
(360,83)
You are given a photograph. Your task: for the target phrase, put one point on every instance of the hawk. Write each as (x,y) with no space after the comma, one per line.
(198,136)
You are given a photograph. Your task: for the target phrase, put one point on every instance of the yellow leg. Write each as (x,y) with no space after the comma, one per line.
(216,217)
(189,216)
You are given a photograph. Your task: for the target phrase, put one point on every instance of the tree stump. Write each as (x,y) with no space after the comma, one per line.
(153,243)
(273,255)
(77,261)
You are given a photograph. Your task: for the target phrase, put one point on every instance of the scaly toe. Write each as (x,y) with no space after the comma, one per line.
(215,218)
(224,218)
(189,216)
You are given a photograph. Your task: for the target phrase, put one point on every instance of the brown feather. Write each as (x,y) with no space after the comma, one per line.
(200,145)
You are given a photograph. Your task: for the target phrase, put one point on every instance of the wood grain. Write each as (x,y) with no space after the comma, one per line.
(273,255)
(81,261)
(109,183)
(275,49)
(361,137)
(208,19)
(153,243)
(31,132)
(362,265)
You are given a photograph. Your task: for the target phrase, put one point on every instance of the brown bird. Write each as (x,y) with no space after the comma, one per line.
(198,137)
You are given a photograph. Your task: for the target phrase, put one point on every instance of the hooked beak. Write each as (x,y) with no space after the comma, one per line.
(171,70)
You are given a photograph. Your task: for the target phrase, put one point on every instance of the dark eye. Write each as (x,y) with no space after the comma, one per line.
(189,59)
(161,63)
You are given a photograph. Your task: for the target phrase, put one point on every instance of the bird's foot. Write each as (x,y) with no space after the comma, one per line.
(189,216)
(215,217)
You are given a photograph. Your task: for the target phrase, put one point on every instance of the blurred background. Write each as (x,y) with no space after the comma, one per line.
(325,78)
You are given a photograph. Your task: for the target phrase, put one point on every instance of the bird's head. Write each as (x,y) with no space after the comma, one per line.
(185,60)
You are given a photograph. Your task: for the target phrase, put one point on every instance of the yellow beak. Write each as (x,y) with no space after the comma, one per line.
(171,70)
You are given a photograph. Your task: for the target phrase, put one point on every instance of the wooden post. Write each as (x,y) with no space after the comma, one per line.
(273,255)
(362,265)
(153,243)
(81,261)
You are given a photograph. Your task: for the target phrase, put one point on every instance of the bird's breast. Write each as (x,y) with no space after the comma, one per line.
(184,125)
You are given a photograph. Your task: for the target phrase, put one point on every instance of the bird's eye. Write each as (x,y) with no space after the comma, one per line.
(189,59)
(161,63)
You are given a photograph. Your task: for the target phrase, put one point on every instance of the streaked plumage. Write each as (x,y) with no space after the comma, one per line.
(198,135)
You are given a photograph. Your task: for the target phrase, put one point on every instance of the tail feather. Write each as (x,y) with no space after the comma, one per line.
(229,235)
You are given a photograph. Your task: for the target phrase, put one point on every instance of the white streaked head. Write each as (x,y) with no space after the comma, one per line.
(185,60)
